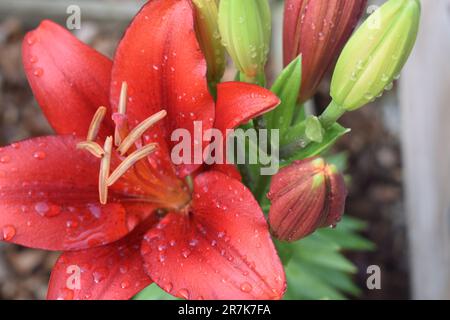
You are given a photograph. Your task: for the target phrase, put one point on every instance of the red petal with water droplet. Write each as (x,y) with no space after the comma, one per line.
(111,272)
(52,199)
(220,250)
(229,169)
(161,61)
(69,79)
(238,103)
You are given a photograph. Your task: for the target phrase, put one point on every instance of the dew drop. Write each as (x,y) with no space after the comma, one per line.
(389,86)
(31,40)
(168,287)
(246,287)
(125,284)
(193,242)
(39,155)
(186,253)
(38,72)
(5,159)
(46,210)
(72,224)
(8,232)
(99,274)
(184,293)
(33,59)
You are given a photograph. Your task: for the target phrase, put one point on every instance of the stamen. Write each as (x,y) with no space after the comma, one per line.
(104,171)
(122,109)
(93,147)
(95,124)
(123,98)
(139,130)
(130,161)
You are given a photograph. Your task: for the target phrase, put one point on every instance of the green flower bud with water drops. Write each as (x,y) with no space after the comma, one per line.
(208,35)
(375,54)
(245,27)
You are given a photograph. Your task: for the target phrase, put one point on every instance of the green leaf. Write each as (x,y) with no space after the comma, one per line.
(287,88)
(285,251)
(346,240)
(153,292)
(314,148)
(337,279)
(305,285)
(326,258)
(352,224)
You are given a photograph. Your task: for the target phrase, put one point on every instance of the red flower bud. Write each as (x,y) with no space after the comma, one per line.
(318,30)
(305,195)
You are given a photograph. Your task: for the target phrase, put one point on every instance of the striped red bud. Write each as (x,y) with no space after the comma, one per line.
(306,195)
(318,30)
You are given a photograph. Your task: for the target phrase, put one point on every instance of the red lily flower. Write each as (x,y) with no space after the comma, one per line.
(210,243)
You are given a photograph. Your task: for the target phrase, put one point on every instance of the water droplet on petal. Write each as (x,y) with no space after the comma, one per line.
(8,232)
(47,210)
(5,159)
(185,253)
(184,293)
(246,287)
(168,287)
(38,72)
(99,274)
(39,155)
(125,284)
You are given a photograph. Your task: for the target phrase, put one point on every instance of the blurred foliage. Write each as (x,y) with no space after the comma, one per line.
(316,267)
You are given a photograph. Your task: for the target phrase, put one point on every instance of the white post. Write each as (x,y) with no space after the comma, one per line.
(425,105)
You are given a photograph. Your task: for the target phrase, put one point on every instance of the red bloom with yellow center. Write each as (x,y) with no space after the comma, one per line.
(104,189)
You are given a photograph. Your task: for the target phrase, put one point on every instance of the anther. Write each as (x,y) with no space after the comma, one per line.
(139,130)
(130,161)
(104,171)
(95,124)
(93,147)
(122,109)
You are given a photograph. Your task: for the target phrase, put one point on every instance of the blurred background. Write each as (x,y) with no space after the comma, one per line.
(398,152)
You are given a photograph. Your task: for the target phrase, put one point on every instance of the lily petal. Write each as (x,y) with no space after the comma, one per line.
(160,59)
(239,102)
(220,250)
(49,197)
(111,272)
(69,79)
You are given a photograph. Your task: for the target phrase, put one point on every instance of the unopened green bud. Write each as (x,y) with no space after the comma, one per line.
(375,54)
(208,35)
(245,27)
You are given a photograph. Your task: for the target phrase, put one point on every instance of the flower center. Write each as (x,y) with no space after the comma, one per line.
(127,153)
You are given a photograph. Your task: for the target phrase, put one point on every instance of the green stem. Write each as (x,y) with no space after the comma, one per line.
(261,187)
(331,114)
